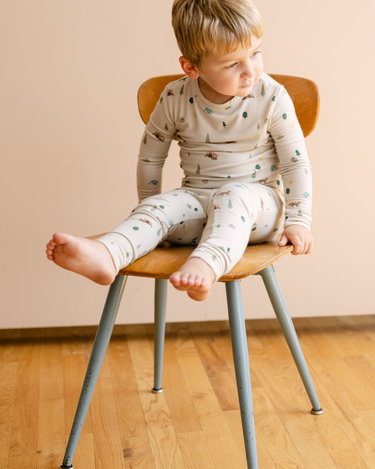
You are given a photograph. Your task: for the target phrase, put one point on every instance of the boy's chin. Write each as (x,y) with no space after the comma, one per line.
(245,93)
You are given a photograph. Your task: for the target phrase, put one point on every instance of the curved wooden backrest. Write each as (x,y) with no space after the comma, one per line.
(304,93)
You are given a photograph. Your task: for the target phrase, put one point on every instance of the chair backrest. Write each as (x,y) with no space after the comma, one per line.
(304,93)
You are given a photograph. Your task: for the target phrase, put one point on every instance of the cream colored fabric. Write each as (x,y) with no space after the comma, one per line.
(220,222)
(255,140)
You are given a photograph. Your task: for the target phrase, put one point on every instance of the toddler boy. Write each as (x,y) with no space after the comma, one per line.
(242,152)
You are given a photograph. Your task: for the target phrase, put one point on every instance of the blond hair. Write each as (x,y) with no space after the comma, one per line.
(204,27)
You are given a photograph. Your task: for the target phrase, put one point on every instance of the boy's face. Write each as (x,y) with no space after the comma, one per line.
(223,76)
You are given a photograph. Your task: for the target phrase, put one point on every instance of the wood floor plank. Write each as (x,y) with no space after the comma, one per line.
(341,428)
(361,330)
(8,375)
(24,432)
(195,450)
(51,370)
(22,462)
(51,433)
(212,420)
(313,452)
(75,363)
(84,457)
(180,405)
(282,396)
(134,436)
(342,451)
(233,418)
(278,441)
(166,450)
(221,379)
(331,327)
(106,431)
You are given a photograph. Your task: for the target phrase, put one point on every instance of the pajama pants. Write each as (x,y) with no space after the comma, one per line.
(220,222)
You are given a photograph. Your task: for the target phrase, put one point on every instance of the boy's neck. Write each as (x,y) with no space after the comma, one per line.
(211,95)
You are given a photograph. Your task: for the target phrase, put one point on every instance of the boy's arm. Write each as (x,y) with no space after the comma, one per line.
(293,162)
(295,170)
(154,148)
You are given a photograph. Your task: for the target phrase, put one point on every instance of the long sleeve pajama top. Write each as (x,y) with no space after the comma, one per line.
(256,139)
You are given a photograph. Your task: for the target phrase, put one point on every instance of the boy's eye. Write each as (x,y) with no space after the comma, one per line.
(233,65)
(255,53)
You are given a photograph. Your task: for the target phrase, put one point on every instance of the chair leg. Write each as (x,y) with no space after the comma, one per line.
(282,313)
(161,286)
(99,349)
(241,363)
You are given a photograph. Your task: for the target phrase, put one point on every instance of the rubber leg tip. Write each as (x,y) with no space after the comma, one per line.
(317,412)
(157,391)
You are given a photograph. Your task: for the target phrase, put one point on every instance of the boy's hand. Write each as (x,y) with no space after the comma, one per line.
(300,237)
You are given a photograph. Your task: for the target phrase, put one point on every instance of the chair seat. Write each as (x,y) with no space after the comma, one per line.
(167,258)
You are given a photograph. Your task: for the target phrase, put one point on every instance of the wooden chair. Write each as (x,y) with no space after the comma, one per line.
(166,259)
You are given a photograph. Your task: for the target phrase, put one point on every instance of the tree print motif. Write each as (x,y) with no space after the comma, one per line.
(262,93)
(208,110)
(182,90)
(284,116)
(145,140)
(166,126)
(191,100)
(257,167)
(244,115)
(198,171)
(208,139)
(224,125)
(154,182)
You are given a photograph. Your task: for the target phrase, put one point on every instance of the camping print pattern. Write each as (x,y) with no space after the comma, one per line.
(266,115)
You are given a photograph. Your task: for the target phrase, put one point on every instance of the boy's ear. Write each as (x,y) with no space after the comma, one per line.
(188,67)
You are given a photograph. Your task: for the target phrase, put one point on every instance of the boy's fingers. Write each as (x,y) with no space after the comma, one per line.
(298,245)
(283,240)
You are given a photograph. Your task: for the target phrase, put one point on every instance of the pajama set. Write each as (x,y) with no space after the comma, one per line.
(246,175)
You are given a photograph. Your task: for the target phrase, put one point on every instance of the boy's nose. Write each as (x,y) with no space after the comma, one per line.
(248,71)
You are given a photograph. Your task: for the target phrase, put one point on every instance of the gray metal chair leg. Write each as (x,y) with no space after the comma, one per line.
(241,363)
(99,349)
(282,313)
(161,286)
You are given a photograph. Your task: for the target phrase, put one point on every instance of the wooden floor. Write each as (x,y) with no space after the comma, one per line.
(195,423)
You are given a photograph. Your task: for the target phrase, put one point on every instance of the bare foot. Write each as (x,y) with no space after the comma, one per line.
(195,277)
(83,256)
